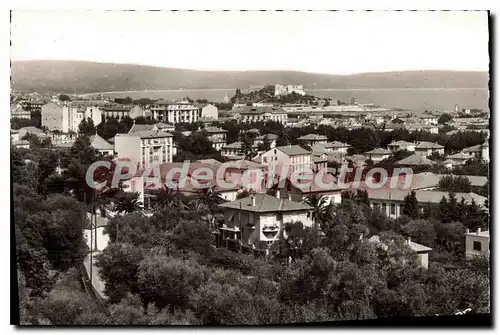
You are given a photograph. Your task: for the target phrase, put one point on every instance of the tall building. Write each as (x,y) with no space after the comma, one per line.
(144,147)
(66,117)
(175,112)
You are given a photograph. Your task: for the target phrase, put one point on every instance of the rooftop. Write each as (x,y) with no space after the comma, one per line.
(293,150)
(378,151)
(415,159)
(423,196)
(313,137)
(262,110)
(214,130)
(266,203)
(99,143)
(428,145)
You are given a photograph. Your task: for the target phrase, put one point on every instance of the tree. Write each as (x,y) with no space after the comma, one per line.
(318,203)
(167,281)
(127,202)
(119,264)
(421,231)
(247,145)
(86,127)
(283,139)
(410,206)
(64,97)
(455,184)
(445,118)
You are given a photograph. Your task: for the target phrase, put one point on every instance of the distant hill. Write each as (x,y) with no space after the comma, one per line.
(87,77)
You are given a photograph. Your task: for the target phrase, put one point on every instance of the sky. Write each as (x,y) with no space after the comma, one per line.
(321,42)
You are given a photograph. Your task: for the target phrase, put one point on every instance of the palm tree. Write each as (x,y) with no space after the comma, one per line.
(318,203)
(127,202)
(168,198)
(211,197)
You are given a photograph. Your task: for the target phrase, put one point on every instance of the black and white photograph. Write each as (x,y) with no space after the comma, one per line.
(250,168)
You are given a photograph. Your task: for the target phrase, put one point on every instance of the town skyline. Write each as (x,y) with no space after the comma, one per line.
(455,46)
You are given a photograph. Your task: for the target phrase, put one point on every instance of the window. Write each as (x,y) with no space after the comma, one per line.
(279,217)
(401,209)
(384,208)
(393,209)
(476,245)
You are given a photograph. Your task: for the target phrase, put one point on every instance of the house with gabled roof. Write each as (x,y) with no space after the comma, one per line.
(480,151)
(258,219)
(421,250)
(429,148)
(401,145)
(378,154)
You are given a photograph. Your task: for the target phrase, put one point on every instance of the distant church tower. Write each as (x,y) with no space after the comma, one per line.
(456,108)
(226,98)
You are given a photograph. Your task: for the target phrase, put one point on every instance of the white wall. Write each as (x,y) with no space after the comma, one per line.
(210,111)
(128,147)
(469,245)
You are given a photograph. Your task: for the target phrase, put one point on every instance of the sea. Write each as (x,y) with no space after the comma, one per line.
(415,99)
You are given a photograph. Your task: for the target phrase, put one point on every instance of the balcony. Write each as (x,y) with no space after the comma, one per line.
(270,231)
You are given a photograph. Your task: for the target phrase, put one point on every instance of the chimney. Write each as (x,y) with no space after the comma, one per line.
(290,197)
(467,231)
(253,200)
(278,194)
(408,239)
(478,230)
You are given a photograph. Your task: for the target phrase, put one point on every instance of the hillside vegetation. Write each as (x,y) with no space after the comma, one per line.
(78,76)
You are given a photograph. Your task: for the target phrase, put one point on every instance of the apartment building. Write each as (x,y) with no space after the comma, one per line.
(117,111)
(217,136)
(32,105)
(175,112)
(66,117)
(17,111)
(294,157)
(312,139)
(144,147)
(250,114)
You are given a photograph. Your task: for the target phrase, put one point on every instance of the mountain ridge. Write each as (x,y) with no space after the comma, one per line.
(90,77)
